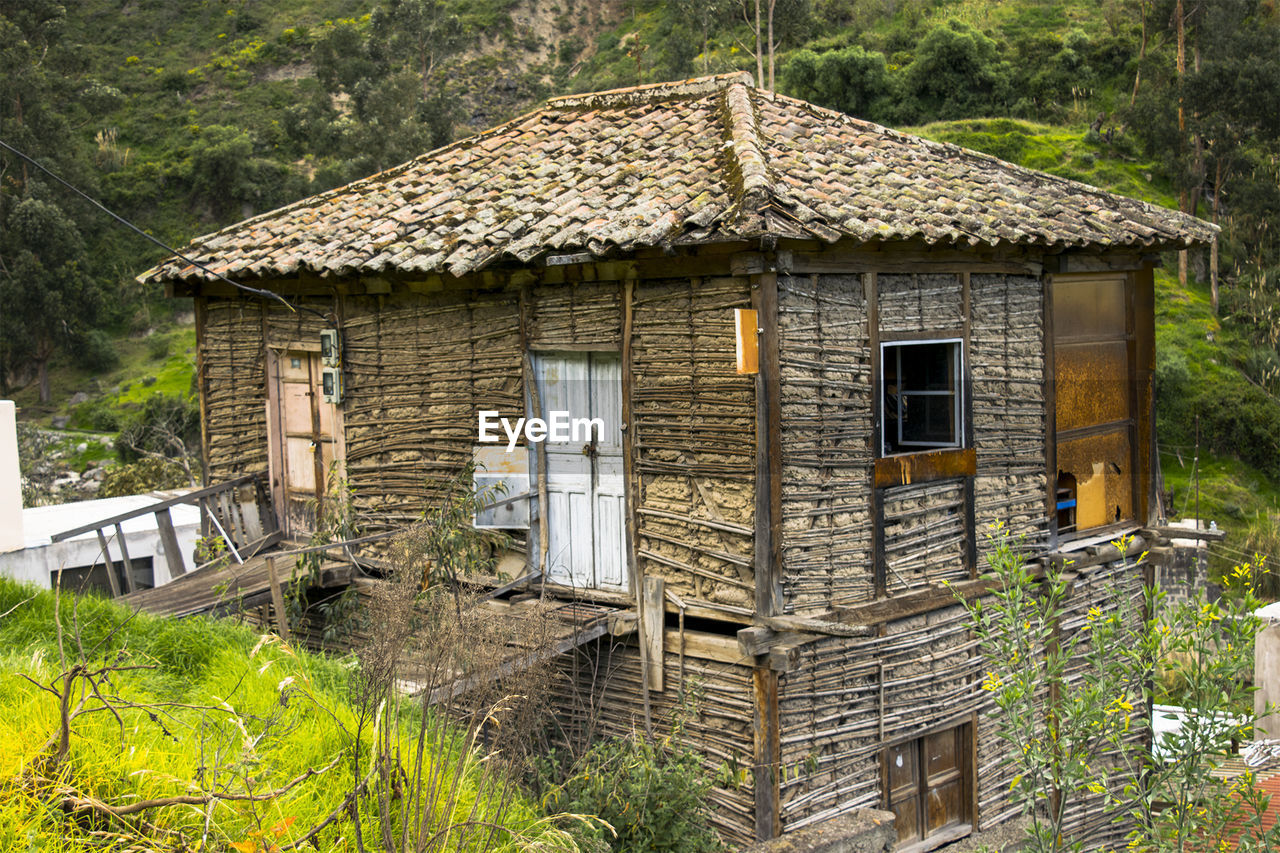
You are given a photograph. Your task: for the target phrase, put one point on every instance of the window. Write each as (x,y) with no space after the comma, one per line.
(922,395)
(928,785)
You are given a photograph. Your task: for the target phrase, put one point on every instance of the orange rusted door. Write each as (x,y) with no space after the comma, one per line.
(1093,358)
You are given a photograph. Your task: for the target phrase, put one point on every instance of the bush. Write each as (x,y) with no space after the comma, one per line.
(167,425)
(157,347)
(95,351)
(96,415)
(146,475)
(652,794)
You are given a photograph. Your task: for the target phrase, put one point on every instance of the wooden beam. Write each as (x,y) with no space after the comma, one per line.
(169,539)
(755,640)
(112,580)
(630,481)
(124,559)
(768,753)
(652,619)
(277,599)
(1167,532)
(768,509)
(913,603)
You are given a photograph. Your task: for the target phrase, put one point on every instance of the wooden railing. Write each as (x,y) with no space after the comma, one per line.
(222,510)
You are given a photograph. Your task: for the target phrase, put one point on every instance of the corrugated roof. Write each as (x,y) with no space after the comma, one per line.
(707,160)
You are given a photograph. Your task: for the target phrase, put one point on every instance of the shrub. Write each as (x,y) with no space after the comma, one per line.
(95,351)
(651,793)
(167,425)
(145,475)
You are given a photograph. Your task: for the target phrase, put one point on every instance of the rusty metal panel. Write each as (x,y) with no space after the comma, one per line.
(1092,383)
(1103,483)
(1089,308)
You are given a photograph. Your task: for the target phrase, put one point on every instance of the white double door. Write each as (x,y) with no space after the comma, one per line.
(585,487)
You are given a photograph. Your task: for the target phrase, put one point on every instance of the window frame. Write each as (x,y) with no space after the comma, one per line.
(959,415)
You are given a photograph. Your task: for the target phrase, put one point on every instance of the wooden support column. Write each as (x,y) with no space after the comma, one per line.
(124,558)
(1050,415)
(201,318)
(630,482)
(112,580)
(768,752)
(1145,499)
(652,626)
(277,599)
(169,539)
(768,513)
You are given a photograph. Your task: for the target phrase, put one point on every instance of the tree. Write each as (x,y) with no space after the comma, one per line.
(48,297)
(957,72)
(1067,702)
(852,79)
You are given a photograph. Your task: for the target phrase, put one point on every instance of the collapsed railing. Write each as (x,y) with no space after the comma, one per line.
(246,524)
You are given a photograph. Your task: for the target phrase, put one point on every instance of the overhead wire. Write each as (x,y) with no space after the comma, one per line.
(266,294)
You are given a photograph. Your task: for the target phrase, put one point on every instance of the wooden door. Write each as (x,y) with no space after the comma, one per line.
(585,489)
(304,446)
(927,787)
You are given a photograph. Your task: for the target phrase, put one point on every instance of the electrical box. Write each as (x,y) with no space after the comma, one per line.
(330,348)
(502,483)
(331,384)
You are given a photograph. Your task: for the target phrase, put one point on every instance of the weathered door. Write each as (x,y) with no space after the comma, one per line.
(585,489)
(304,443)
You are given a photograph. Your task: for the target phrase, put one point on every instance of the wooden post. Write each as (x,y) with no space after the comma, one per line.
(124,558)
(652,625)
(169,539)
(768,753)
(630,486)
(277,600)
(112,580)
(768,521)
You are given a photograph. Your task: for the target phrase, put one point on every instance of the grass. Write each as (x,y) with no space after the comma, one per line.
(246,713)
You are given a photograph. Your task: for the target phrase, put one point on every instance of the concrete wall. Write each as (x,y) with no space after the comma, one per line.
(36,562)
(10,480)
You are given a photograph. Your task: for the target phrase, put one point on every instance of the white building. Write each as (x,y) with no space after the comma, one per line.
(28,553)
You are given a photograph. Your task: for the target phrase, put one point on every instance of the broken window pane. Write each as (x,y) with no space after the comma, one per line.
(922,395)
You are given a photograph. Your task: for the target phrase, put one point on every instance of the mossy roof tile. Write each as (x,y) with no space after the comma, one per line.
(707,160)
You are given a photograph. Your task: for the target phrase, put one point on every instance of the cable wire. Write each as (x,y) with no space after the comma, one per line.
(267,294)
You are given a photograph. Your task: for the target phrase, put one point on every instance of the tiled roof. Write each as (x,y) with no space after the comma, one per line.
(708,160)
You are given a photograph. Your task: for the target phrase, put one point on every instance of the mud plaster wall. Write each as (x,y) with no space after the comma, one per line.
(1114,588)
(847,698)
(827,428)
(597,694)
(924,534)
(418,367)
(825,362)
(1006,345)
(694,422)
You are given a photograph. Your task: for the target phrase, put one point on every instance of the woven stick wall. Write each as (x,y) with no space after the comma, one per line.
(1006,340)
(598,696)
(847,698)
(826,440)
(694,434)
(234,384)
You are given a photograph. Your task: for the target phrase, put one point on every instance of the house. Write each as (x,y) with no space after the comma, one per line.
(942,341)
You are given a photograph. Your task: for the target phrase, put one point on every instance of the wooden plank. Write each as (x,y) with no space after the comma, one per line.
(720,648)
(912,603)
(124,558)
(768,753)
(1168,532)
(768,483)
(277,599)
(169,539)
(1144,389)
(112,580)
(909,468)
(630,484)
(755,640)
(1051,413)
(652,618)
